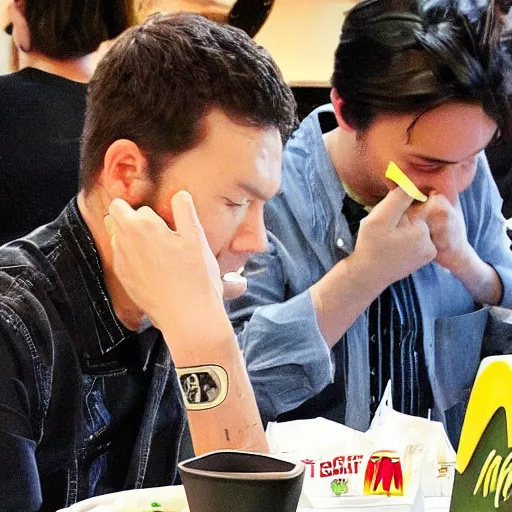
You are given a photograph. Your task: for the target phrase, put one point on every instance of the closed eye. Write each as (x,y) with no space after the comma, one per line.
(235,204)
(429,167)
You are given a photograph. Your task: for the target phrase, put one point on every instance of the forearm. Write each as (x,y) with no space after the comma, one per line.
(479,278)
(286,355)
(235,423)
(341,296)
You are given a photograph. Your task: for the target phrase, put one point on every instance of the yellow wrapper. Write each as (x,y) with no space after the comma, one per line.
(394,173)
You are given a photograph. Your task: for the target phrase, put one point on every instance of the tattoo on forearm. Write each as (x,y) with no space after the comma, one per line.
(203,387)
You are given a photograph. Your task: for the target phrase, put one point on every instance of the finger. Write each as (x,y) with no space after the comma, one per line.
(146,212)
(149,219)
(185,216)
(404,221)
(234,285)
(122,216)
(392,208)
(441,201)
(419,211)
(121,212)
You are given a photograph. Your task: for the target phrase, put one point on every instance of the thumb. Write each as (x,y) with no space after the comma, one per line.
(185,216)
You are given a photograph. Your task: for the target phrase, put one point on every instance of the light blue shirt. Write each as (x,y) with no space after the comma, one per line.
(286,355)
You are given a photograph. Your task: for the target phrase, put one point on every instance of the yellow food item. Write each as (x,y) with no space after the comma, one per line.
(394,173)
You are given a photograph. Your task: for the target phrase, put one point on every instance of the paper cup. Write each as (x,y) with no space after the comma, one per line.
(237,481)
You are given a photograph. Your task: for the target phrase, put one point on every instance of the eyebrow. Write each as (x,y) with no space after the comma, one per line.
(447,162)
(254,191)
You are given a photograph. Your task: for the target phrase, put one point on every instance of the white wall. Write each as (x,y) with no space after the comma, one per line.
(302,35)
(5,52)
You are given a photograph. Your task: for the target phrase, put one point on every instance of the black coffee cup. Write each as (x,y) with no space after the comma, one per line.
(236,481)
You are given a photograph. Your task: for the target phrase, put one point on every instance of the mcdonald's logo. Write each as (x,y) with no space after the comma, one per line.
(483,479)
(384,474)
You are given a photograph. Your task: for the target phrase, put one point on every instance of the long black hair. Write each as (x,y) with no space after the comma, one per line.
(408,56)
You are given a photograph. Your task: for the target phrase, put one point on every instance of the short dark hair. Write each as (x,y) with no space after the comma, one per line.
(65,29)
(409,56)
(159,80)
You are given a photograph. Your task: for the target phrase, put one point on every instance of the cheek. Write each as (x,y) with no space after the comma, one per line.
(468,174)
(215,235)
(220,229)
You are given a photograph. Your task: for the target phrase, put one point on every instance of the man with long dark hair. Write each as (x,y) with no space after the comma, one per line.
(359,278)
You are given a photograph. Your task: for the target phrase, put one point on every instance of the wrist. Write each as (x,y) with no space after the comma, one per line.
(461,264)
(371,279)
(216,345)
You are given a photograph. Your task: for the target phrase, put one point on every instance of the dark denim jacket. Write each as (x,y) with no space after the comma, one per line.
(86,406)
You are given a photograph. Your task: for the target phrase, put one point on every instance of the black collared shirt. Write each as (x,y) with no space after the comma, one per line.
(86,406)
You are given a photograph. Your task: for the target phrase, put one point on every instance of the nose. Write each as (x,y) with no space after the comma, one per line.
(454,180)
(450,187)
(251,236)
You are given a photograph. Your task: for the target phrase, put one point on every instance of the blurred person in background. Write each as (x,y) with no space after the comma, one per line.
(43,103)
(499,156)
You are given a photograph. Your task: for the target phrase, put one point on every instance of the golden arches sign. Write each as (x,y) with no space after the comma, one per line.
(484,457)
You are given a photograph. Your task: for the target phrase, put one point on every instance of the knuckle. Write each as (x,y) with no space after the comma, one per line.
(422,230)
(366,223)
(143,224)
(440,213)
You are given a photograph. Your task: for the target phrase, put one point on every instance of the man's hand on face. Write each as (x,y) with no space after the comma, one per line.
(390,245)
(446,226)
(172,276)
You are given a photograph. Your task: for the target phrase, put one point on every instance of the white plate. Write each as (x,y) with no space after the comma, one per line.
(173,499)
(169,499)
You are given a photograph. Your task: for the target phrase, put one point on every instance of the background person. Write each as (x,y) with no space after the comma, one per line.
(43,104)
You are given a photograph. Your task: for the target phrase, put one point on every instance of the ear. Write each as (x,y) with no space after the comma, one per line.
(20,30)
(337,103)
(125,172)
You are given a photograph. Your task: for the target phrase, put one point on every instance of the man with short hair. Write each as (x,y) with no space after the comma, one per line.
(183,140)
(357,273)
